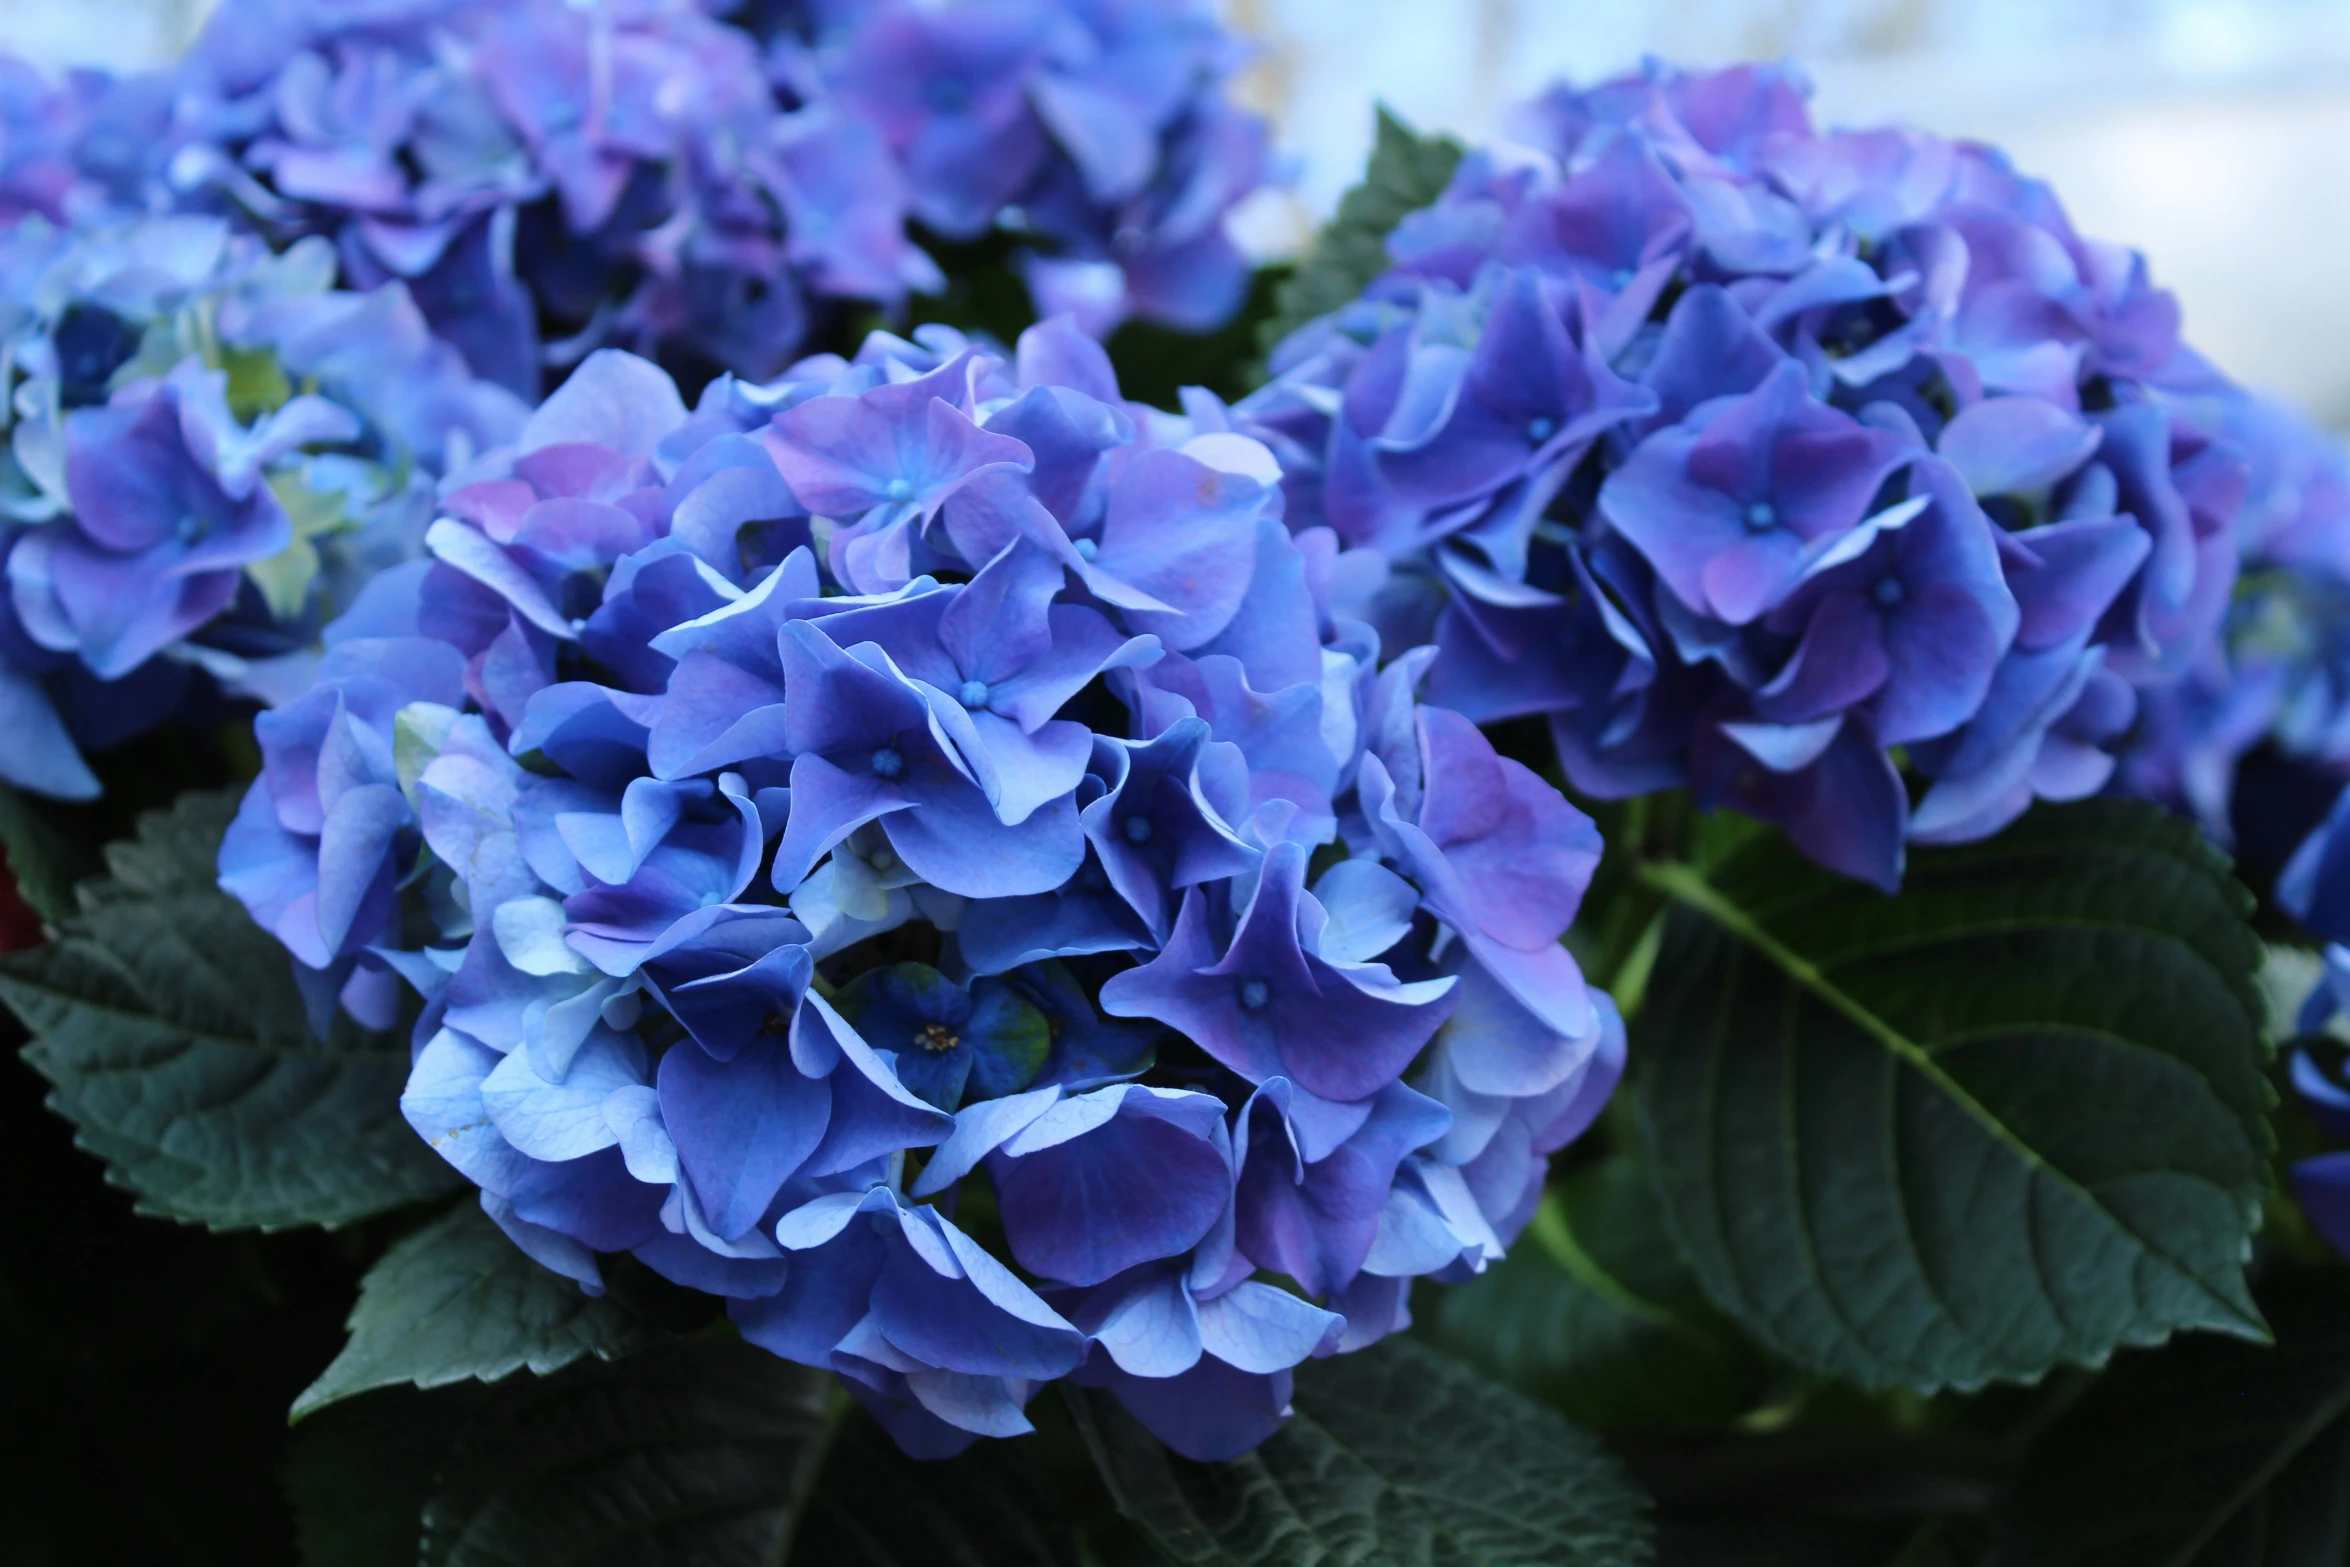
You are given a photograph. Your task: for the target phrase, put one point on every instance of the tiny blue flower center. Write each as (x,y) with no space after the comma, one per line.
(1254,993)
(1620,278)
(1093,878)
(974,693)
(882,859)
(934,1037)
(1087,549)
(191,528)
(1889,592)
(1541,428)
(887,762)
(948,95)
(900,490)
(1138,829)
(1761,517)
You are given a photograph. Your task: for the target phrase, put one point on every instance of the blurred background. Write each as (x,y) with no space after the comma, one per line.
(2213,134)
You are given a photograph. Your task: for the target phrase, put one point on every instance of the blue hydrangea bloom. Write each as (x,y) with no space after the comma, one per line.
(210,452)
(1770,462)
(929,783)
(1097,132)
(608,173)
(2254,739)
(2315,889)
(548,177)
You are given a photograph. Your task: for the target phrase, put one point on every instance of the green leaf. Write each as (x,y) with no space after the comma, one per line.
(174,1038)
(2011,1119)
(706,1451)
(2207,1453)
(1407,171)
(458,1300)
(1396,1457)
(359,1474)
(1594,1312)
(44,855)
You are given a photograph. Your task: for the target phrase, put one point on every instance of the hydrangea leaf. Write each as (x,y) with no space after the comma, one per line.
(1407,171)
(45,857)
(2013,1119)
(2207,1453)
(1396,1456)
(1595,1313)
(709,1451)
(358,1474)
(172,1034)
(457,1300)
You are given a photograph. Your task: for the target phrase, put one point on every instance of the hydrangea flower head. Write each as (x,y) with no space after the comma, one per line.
(2315,890)
(918,850)
(618,172)
(1098,132)
(210,453)
(2254,739)
(1770,462)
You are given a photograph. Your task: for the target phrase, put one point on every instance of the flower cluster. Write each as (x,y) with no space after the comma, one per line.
(2315,889)
(619,170)
(641,172)
(209,451)
(2254,738)
(1095,131)
(1769,462)
(915,849)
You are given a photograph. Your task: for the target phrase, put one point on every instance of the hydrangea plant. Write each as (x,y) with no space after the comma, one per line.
(2253,738)
(1097,133)
(930,782)
(899,874)
(211,451)
(1769,461)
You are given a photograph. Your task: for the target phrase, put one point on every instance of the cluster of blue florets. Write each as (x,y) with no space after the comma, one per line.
(995,881)
(918,849)
(548,177)
(210,450)
(1772,462)
(522,180)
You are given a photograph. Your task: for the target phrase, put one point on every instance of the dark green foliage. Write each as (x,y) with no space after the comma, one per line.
(701,1451)
(2205,1453)
(145,1367)
(357,1475)
(1407,171)
(1594,1311)
(171,1031)
(44,853)
(2012,1119)
(458,1300)
(1396,1457)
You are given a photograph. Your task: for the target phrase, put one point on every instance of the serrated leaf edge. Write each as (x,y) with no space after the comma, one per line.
(1689,887)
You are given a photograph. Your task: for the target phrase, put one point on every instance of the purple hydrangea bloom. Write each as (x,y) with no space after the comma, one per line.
(175,518)
(923,774)
(2315,889)
(548,177)
(2254,739)
(1771,463)
(618,173)
(1096,131)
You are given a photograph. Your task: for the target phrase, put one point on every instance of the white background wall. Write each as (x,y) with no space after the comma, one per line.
(2214,134)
